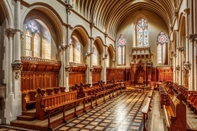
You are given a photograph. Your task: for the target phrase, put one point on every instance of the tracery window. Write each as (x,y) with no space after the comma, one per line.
(121,50)
(36,44)
(141,29)
(162,41)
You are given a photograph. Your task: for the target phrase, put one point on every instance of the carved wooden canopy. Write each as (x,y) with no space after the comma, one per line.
(39,64)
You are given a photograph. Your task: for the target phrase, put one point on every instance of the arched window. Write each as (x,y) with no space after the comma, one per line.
(77,52)
(95,56)
(162,41)
(121,50)
(141,32)
(37,44)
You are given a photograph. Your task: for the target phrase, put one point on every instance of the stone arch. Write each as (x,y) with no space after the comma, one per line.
(80,34)
(49,16)
(98,42)
(46,16)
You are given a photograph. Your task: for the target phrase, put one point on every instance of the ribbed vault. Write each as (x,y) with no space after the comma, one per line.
(110,13)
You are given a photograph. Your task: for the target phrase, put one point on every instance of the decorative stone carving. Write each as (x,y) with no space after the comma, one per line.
(91,69)
(187,66)
(68,69)
(9,32)
(193,36)
(177,67)
(180,48)
(63,46)
(16,67)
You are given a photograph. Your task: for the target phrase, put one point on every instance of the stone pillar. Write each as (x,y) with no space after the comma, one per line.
(174,67)
(9,114)
(65,49)
(90,70)
(104,60)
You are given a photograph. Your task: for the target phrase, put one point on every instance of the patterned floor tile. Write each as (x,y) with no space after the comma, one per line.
(99,128)
(63,128)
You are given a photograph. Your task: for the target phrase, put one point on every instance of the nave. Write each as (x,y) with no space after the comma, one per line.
(122,113)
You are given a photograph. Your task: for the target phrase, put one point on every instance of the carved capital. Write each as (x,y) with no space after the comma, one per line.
(16,67)
(192,36)
(63,47)
(68,8)
(88,54)
(187,65)
(186,11)
(178,68)
(176,12)
(180,48)
(9,32)
(91,69)
(68,68)
(92,25)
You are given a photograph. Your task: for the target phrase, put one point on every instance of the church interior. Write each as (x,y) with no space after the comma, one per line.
(98,65)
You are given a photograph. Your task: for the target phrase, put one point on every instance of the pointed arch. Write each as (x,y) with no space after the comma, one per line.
(80,44)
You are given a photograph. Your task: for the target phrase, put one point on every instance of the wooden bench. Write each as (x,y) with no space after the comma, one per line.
(53,102)
(145,110)
(175,113)
(29,97)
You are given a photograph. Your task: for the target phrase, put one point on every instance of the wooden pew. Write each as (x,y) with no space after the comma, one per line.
(29,97)
(145,110)
(175,113)
(53,102)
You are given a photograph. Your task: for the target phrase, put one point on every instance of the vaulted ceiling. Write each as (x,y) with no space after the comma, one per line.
(110,13)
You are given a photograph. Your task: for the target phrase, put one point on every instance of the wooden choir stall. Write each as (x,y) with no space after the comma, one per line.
(77,73)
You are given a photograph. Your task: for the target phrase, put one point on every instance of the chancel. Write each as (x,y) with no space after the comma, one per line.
(110,65)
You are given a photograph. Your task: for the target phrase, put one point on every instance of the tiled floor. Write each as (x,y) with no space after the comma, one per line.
(123,113)
(120,114)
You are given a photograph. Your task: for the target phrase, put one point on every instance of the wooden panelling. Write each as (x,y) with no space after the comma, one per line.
(96,77)
(164,73)
(77,73)
(32,80)
(96,73)
(122,74)
(37,72)
(76,78)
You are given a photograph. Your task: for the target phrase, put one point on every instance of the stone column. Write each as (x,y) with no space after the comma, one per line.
(66,49)
(9,32)
(104,60)
(90,70)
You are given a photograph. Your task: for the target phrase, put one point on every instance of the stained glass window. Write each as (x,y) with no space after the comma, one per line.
(142,32)
(162,41)
(162,38)
(121,50)
(32,26)
(37,43)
